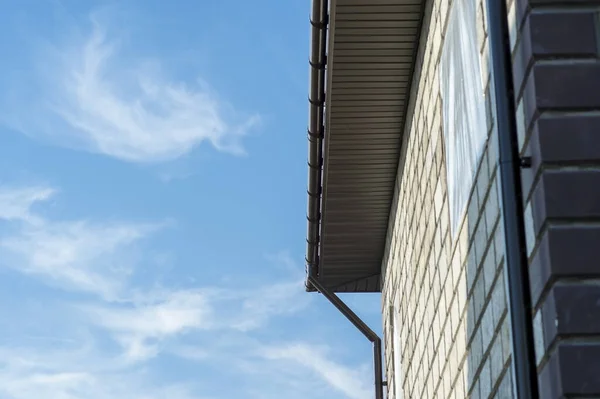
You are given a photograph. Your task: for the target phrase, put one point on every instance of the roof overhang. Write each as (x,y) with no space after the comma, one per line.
(362,60)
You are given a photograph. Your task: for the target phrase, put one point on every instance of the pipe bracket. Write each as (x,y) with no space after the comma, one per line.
(322,24)
(525,162)
(317,65)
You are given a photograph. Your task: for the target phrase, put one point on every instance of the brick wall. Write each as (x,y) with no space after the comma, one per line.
(448,291)
(557,80)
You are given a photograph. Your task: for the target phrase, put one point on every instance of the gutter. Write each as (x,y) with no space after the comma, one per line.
(517,270)
(316,133)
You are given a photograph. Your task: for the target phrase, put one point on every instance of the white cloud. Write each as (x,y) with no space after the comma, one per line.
(143,326)
(278,298)
(96,97)
(140,329)
(179,311)
(77,255)
(293,371)
(16,202)
(218,326)
(96,258)
(78,374)
(351,382)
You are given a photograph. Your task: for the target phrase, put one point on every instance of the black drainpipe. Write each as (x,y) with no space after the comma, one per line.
(519,297)
(316,133)
(362,327)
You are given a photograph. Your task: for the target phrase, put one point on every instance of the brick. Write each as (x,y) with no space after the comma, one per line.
(567,85)
(479,295)
(539,3)
(505,390)
(566,194)
(551,35)
(485,65)
(418,253)
(472,213)
(476,393)
(477,347)
(471,318)
(562,140)
(489,269)
(466,381)
(530,236)
(571,310)
(498,300)
(514,23)
(499,242)
(485,381)
(565,251)
(480,240)
(487,327)
(493,148)
(563,33)
(572,370)
(481,25)
(565,139)
(506,339)
(471,270)
(459,388)
(496,363)
(538,336)
(492,208)
(521,126)
(523,7)
(483,178)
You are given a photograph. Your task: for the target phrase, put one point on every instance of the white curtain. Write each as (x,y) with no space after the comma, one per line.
(465,129)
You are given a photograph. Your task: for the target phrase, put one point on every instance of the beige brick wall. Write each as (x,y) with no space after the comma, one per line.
(452,322)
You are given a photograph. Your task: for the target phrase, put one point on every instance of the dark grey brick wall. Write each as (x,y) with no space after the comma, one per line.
(557,82)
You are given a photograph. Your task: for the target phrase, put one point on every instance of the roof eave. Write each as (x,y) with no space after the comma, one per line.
(325,169)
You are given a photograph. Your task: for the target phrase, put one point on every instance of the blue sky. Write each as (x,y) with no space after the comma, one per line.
(152,206)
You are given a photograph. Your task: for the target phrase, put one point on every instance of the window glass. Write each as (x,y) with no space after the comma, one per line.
(465,129)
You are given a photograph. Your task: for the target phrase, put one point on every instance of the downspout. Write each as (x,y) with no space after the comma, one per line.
(362,327)
(519,295)
(316,132)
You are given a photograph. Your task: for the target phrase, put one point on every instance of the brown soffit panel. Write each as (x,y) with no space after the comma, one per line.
(372,46)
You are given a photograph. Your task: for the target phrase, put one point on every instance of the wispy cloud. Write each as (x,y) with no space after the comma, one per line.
(262,372)
(351,382)
(76,374)
(95,98)
(78,255)
(16,202)
(99,259)
(143,327)
(125,324)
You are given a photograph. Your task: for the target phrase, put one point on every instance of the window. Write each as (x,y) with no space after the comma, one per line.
(465,129)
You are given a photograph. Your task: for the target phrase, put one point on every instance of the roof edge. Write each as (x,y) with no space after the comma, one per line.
(316,131)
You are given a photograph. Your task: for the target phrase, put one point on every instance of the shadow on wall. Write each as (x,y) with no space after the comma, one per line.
(470,159)
(444,268)
(479,255)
